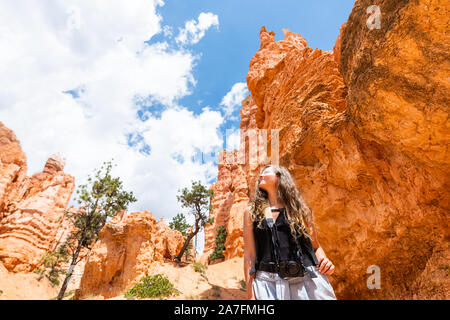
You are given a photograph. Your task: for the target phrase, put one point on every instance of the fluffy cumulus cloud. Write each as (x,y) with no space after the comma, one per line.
(193,30)
(74,77)
(232,100)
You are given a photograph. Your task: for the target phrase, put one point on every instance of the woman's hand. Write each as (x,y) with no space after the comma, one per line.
(325,266)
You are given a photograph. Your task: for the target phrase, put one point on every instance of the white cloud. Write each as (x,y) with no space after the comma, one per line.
(97,49)
(232,100)
(193,31)
(168,31)
(233,139)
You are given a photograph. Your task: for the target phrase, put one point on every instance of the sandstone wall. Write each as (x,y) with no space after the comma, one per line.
(398,77)
(31,208)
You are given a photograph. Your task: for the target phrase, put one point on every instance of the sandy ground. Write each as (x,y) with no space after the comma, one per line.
(224,280)
(25,286)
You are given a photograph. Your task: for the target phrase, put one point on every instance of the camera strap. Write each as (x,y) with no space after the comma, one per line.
(272,228)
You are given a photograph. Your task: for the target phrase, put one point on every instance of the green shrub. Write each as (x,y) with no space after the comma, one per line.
(156,286)
(220,244)
(198,267)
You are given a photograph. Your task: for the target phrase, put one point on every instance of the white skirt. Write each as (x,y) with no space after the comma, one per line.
(270,286)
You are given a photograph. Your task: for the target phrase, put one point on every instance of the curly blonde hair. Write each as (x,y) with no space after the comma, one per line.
(299,214)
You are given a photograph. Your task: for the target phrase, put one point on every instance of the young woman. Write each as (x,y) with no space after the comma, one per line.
(277,243)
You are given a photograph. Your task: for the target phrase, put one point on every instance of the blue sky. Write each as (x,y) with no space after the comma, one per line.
(151,84)
(227,50)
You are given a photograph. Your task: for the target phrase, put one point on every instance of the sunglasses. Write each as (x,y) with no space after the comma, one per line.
(267,174)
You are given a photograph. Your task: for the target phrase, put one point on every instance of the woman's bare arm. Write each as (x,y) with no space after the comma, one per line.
(325,264)
(314,241)
(249,253)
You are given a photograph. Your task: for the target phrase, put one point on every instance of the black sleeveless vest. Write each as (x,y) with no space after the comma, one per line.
(286,243)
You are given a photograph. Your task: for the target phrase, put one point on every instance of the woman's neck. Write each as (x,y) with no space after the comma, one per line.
(274,202)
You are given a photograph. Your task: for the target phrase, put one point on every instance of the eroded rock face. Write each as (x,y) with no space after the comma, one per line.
(13,167)
(32,208)
(126,249)
(294,87)
(337,45)
(398,77)
(367,153)
(398,104)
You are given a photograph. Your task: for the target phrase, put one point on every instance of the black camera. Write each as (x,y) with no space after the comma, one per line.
(290,269)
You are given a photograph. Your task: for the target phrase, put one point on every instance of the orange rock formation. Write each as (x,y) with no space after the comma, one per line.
(126,249)
(364,132)
(31,208)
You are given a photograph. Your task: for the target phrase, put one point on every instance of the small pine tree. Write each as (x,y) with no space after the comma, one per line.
(51,264)
(198,199)
(179,223)
(220,243)
(102,199)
